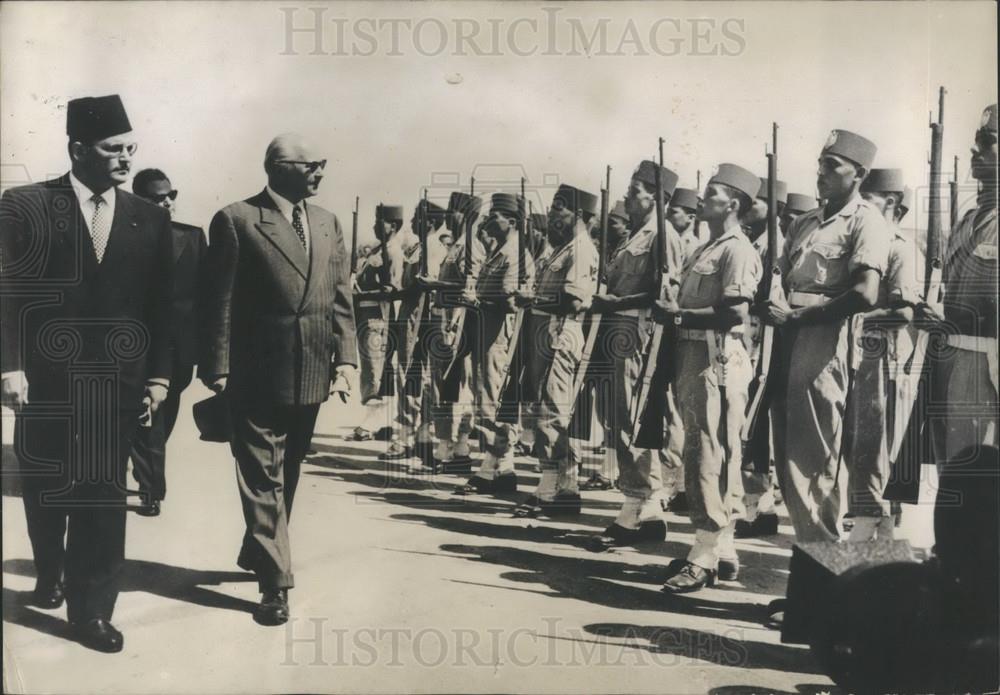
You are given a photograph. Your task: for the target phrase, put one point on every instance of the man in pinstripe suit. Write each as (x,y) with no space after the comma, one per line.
(278,339)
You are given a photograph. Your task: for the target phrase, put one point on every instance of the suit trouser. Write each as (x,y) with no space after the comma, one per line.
(867,444)
(149,450)
(555,408)
(808,420)
(77,529)
(269,442)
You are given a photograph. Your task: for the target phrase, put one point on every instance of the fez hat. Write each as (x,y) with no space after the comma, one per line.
(799,202)
(577,199)
(780,191)
(989,120)
(506,204)
(432,209)
(685,198)
(212,418)
(464,203)
(539,220)
(852,146)
(646,172)
(883,180)
(619,211)
(392,213)
(94,118)
(734,176)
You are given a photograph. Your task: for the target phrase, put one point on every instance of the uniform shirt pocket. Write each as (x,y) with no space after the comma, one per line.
(830,261)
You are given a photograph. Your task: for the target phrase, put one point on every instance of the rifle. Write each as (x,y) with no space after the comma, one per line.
(754,432)
(953,190)
(911,437)
(354,237)
(386,271)
(648,420)
(515,350)
(456,326)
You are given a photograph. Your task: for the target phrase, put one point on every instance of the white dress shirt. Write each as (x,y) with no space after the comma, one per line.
(84,197)
(285,207)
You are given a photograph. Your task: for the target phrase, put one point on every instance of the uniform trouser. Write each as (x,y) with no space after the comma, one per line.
(415,387)
(492,337)
(269,442)
(453,416)
(373,339)
(808,419)
(963,385)
(672,454)
(713,415)
(563,337)
(866,431)
(77,529)
(757,486)
(149,450)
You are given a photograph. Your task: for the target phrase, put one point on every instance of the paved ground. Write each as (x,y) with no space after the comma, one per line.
(401,587)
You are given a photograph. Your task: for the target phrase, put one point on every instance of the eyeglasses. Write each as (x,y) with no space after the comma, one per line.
(117,150)
(310,166)
(160,197)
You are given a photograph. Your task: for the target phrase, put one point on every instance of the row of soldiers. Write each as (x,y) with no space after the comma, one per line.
(522,326)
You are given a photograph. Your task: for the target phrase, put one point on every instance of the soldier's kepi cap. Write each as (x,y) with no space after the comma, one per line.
(646,172)
(989,119)
(619,211)
(465,203)
(506,204)
(780,191)
(685,198)
(883,181)
(392,212)
(734,176)
(94,118)
(575,198)
(800,202)
(852,146)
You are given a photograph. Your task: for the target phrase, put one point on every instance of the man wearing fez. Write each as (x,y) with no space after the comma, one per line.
(189,247)
(631,291)
(713,374)
(887,346)
(681,216)
(558,303)
(796,204)
(278,340)
(88,285)
(833,260)
(374,315)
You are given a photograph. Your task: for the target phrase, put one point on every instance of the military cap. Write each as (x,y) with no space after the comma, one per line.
(852,146)
(989,120)
(577,199)
(506,204)
(883,181)
(780,191)
(800,202)
(646,172)
(907,201)
(619,211)
(743,180)
(433,209)
(539,220)
(464,203)
(685,198)
(94,118)
(392,212)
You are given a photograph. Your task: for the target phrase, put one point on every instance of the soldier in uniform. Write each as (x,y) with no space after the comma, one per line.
(492,337)
(796,204)
(713,376)
(454,365)
(832,264)
(625,307)
(564,291)
(886,344)
(681,216)
(965,378)
(374,313)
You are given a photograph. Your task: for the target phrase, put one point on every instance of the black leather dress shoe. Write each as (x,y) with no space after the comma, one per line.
(99,635)
(522,449)
(763,525)
(729,570)
(679,504)
(149,508)
(690,578)
(563,504)
(47,594)
(614,535)
(776,613)
(273,608)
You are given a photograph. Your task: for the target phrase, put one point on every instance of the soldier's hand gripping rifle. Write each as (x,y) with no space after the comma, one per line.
(754,433)
(910,442)
(650,406)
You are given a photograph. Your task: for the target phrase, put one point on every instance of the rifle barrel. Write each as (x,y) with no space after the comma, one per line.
(934,195)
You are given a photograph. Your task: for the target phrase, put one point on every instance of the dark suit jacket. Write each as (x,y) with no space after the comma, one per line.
(188,252)
(274,319)
(61,309)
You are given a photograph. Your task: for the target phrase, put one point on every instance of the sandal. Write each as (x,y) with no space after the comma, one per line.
(596,482)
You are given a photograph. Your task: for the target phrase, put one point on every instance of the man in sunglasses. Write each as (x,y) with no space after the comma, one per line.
(278,340)
(189,246)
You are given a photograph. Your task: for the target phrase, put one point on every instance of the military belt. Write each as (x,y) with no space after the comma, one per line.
(703,335)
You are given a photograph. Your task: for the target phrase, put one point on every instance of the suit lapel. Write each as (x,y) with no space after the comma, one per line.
(279,232)
(123,231)
(180,240)
(319,245)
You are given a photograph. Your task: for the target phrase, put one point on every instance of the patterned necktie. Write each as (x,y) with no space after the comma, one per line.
(297,224)
(100,226)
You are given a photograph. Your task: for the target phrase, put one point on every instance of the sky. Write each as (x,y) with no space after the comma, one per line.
(207,85)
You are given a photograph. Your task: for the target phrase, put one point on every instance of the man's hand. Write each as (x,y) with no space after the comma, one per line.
(664,310)
(14,390)
(156,393)
(928,316)
(777,313)
(523,298)
(216,383)
(341,382)
(602,303)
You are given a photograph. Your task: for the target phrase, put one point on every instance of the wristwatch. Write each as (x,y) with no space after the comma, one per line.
(677,319)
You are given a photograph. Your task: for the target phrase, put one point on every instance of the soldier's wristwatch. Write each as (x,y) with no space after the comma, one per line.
(677,319)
